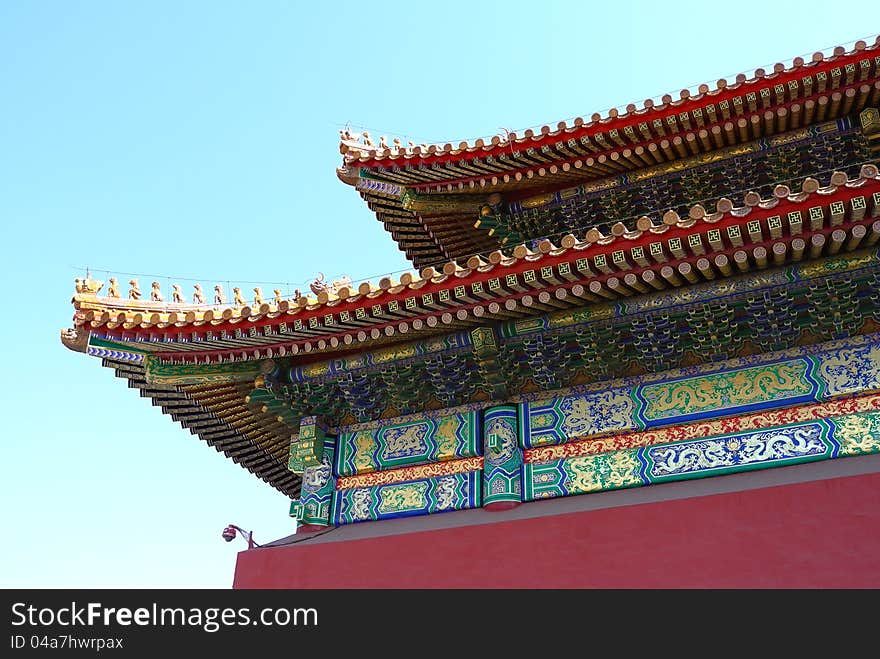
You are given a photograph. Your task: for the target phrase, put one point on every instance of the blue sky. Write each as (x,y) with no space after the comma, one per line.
(199,140)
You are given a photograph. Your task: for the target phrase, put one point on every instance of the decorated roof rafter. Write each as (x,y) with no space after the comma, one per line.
(654,254)
(706,107)
(409,188)
(251,411)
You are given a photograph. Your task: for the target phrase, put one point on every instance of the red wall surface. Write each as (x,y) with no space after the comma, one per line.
(819,534)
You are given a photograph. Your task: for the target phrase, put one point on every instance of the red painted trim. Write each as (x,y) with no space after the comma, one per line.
(310,528)
(785,206)
(590,158)
(818,534)
(501,506)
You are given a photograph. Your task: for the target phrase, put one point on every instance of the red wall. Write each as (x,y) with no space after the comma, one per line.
(819,534)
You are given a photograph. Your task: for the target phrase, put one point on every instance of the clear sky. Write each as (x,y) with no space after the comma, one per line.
(199,140)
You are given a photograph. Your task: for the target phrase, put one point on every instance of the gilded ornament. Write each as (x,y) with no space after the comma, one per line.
(446,436)
(537,201)
(704,429)
(829,266)
(316,370)
(319,285)
(870,120)
(851,370)
(113,288)
(359,505)
(596,413)
(858,434)
(725,390)
(88,285)
(317,476)
(397,498)
(597,312)
(158,372)
(484,342)
(788,138)
(404,474)
(393,354)
(501,440)
(134,292)
(404,441)
(602,472)
(364,444)
(750,449)
(444,492)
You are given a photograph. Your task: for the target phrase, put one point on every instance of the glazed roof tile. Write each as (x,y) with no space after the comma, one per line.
(705,243)
(708,119)
(856,67)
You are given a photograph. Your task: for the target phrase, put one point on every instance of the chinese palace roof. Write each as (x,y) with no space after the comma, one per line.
(732,221)
(428,196)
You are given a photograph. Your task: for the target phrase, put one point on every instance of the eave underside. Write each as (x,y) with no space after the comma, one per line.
(772,311)
(252,420)
(787,228)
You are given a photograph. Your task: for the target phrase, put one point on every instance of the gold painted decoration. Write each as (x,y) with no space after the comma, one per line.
(851,370)
(398,498)
(404,441)
(316,370)
(696,161)
(843,264)
(602,472)
(798,135)
(437,438)
(723,390)
(756,421)
(357,507)
(394,354)
(598,312)
(528,325)
(162,373)
(446,436)
(410,473)
(455,203)
(538,200)
(364,444)
(858,434)
(869,118)
(597,413)
(444,493)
